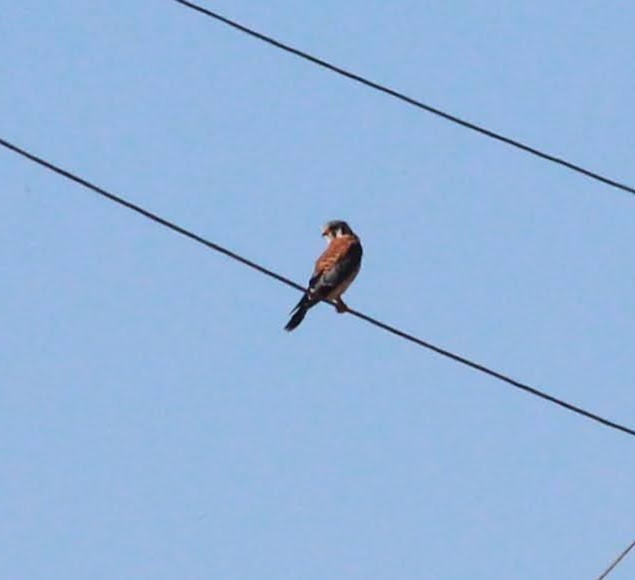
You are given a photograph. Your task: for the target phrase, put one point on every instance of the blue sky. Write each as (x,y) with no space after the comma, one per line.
(157,421)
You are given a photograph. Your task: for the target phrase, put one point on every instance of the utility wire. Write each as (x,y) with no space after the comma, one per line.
(616,561)
(405,98)
(400,333)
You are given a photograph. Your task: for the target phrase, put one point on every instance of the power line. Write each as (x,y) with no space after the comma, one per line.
(234,256)
(616,561)
(405,98)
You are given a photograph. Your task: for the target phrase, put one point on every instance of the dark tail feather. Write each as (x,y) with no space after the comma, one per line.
(298,316)
(299,312)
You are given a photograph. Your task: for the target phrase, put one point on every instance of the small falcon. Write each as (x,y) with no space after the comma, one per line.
(334,271)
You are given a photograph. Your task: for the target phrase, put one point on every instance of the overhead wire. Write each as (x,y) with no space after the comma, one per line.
(266,271)
(617,560)
(405,98)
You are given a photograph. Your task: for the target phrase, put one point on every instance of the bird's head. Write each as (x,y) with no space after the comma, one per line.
(336,229)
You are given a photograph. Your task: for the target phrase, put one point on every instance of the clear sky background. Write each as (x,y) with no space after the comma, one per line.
(157,423)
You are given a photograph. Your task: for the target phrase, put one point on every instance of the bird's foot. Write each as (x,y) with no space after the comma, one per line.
(340,306)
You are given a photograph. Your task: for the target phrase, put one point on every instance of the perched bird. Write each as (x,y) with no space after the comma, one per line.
(334,271)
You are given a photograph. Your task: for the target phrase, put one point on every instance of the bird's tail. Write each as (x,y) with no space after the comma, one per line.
(298,313)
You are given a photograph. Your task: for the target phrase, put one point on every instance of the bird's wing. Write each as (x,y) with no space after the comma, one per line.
(340,260)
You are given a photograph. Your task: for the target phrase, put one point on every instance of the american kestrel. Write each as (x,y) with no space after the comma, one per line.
(334,271)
